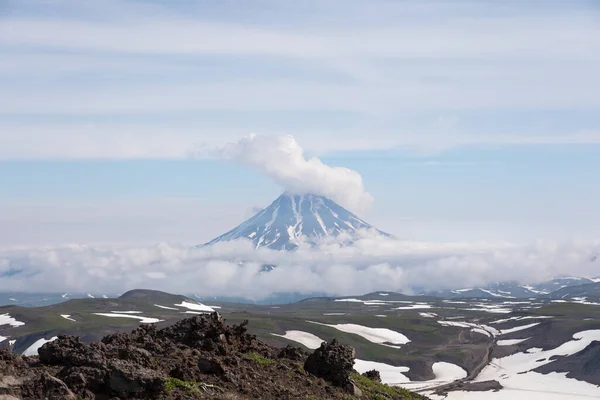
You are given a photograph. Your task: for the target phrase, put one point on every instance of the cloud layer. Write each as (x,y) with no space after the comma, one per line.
(282,159)
(368,266)
(72,88)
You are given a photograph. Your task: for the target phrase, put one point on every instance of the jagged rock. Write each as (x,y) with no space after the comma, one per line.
(199,355)
(70,351)
(373,375)
(333,362)
(47,387)
(129,380)
(292,353)
(210,366)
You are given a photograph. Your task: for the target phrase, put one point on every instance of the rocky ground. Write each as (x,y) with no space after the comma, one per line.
(196,358)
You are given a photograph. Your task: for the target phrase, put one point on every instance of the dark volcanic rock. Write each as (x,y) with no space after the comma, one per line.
(373,375)
(195,358)
(210,366)
(127,380)
(47,387)
(292,353)
(333,362)
(70,351)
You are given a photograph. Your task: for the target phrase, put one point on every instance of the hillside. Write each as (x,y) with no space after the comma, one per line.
(196,358)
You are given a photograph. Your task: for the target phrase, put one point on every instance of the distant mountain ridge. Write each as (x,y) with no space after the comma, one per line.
(514,290)
(293,220)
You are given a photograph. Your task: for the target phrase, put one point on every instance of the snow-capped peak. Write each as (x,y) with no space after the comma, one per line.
(295,219)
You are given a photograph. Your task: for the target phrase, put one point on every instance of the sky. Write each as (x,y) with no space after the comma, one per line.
(144,122)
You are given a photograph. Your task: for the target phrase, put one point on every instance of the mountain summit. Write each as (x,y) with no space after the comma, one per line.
(295,219)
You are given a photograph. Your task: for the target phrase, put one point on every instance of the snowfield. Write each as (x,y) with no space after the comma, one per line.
(515,374)
(195,306)
(511,342)
(501,321)
(389,374)
(307,339)
(6,319)
(483,329)
(67,316)
(518,328)
(33,349)
(166,308)
(126,312)
(416,306)
(143,320)
(383,336)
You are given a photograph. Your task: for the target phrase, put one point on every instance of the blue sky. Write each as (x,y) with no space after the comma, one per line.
(467,120)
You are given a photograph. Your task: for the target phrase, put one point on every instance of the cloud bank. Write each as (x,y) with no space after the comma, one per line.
(282,159)
(234,268)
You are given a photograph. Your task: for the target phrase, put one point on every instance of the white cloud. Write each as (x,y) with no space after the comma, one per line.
(369,266)
(282,159)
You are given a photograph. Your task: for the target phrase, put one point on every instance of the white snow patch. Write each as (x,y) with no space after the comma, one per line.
(518,328)
(500,321)
(489,331)
(127,312)
(510,342)
(307,339)
(334,313)
(389,374)
(428,315)
(6,319)
(166,308)
(490,310)
(496,294)
(33,349)
(350,300)
(414,306)
(143,320)
(67,316)
(383,294)
(383,336)
(195,306)
(482,331)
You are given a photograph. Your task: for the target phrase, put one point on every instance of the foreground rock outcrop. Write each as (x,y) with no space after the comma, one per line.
(197,358)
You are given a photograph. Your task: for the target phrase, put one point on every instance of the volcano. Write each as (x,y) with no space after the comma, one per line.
(294,220)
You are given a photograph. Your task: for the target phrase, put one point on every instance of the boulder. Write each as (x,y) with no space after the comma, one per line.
(128,380)
(210,366)
(292,353)
(373,375)
(333,362)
